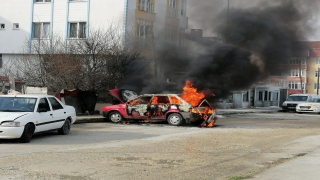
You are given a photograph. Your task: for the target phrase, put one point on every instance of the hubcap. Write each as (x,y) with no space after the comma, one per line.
(174,119)
(115,117)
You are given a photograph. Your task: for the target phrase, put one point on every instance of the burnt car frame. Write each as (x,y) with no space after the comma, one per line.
(156,107)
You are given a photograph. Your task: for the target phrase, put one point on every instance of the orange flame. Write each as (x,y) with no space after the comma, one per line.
(175,100)
(155,100)
(191,95)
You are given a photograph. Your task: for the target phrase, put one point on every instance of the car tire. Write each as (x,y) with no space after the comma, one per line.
(65,129)
(27,133)
(115,117)
(175,119)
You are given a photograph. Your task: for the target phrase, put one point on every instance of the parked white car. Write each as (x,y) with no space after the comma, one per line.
(312,105)
(21,116)
(294,99)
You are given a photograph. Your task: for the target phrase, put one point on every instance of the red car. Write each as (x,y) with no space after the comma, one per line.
(170,107)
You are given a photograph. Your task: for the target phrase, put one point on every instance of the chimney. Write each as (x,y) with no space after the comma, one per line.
(196,33)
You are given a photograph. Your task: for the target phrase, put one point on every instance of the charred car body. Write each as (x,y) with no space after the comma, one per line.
(158,107)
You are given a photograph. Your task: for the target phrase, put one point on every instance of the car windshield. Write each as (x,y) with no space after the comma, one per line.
(315,100)
(17,104)
(297,98)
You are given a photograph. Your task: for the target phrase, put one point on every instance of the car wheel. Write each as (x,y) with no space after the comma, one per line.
(115,117)
(27,133)
(65,129)
(175,119)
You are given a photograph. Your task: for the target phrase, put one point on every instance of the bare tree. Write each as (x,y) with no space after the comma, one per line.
(96,63)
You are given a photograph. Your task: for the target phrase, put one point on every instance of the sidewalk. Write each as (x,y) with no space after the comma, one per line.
(301,168)
(99,118)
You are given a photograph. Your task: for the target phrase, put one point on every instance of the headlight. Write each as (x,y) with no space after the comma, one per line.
(284,104)
(10,124)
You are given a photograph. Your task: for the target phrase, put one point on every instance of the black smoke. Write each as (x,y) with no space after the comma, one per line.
(255,41)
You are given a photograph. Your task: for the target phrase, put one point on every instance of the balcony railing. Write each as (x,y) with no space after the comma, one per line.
(173,13)
(146,6)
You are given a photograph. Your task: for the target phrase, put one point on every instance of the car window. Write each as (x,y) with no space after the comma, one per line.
(17,104)
(43,104)
(55,104)
(297,98)
(175,100)
(160,100)
(141,100)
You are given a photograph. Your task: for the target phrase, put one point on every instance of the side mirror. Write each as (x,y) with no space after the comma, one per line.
(42,110)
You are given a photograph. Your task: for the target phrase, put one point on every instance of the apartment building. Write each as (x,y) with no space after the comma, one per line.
(22,21)
(300,73)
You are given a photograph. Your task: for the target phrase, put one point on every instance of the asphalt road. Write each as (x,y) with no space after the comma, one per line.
(240,145)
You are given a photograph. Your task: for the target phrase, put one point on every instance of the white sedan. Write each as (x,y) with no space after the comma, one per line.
(21,116)
(312,105)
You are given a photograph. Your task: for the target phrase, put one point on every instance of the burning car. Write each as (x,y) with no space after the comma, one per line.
(158,107)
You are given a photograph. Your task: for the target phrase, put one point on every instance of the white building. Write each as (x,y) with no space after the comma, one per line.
(22,21)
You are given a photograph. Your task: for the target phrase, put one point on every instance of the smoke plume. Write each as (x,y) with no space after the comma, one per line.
(254,41)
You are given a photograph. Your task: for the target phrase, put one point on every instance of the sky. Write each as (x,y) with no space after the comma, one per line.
(202,12)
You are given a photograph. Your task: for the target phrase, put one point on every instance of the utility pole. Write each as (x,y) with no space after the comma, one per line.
(318,82)
(227,22)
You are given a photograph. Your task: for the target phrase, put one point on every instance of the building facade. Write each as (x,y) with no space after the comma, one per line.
(23,21)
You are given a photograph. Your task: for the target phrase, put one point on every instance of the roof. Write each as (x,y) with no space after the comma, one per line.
(6,79)
(28,95)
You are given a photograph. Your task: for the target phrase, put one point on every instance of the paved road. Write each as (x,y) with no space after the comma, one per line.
(250,145)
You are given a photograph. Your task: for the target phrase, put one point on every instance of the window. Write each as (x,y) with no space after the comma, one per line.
(41,30)
(183,7)
(144,32)
(43,104)
(245,97)
(275,96)
(315,86)
(15,25)
(297,61)
(146,5)
(77,30)
(2,26)
(281,83)
(296,72)
(43,0)
(296,85)
(55,104)
(160,100)
(318,61)
(260,95)
(1,63)
(172,11)
(315,73)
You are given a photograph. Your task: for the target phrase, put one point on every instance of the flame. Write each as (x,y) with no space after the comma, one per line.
(191,95)
(155,100)
(175,100)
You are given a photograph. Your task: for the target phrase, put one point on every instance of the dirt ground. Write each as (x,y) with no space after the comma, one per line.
(221,152)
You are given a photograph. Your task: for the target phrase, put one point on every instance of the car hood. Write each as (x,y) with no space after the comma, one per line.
(309,104)
(10,116)
(294,102)
(123,95)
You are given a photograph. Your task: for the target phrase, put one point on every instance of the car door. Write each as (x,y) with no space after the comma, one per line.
(59,113)
(138,108)
(43,115)
(159,106)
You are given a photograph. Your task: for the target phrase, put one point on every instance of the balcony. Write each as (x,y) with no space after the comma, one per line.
(172,13)
(146,6)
